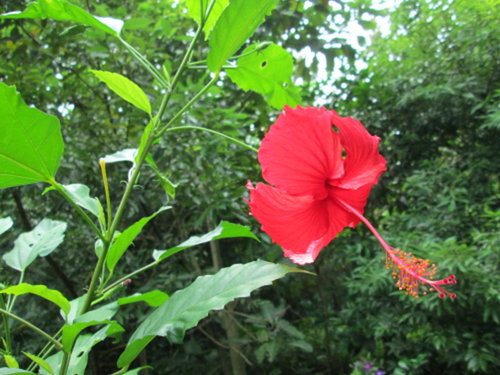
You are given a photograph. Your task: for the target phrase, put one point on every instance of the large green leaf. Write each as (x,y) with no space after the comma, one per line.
(125,88)
(40,290)
(267,72)
(41,241)
(62,10)
(235,25)
(31,145)
(223,230)
(197,12)
(125,239)
(186,307)
(5,224)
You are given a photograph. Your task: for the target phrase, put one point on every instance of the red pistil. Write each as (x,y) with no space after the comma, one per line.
(410,271)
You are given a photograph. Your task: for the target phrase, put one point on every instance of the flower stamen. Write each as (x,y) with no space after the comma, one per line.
(410,272)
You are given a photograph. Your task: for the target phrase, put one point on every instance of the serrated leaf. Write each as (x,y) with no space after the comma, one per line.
(51,295)
(62,10)
(42,363)
(125,88)
(267,72)
(31,144)
(235,25)
(5,224)
(225,229)
(186,307)
(41,241)
(196,12)
(124,240)
(153,298)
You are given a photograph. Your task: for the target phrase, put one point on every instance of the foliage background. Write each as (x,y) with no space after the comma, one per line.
(429,88)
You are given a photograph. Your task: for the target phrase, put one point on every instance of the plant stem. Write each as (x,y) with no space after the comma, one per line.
(188,104)
(45,351)
(234,140)
(12,298)
(132,274)
(32,327)
(78,209)
(6,328)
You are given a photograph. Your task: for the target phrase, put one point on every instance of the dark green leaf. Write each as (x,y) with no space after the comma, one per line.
(153,298)
(223,230)
(42,291)
(41,241)
(267,72)
(167,185)
(235,25)
(186,307)
(62,10)
(31,144)
(125,239)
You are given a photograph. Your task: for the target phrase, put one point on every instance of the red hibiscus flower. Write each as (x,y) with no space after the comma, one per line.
(322,168)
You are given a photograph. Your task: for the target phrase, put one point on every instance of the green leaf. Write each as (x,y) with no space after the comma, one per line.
(40,362)
(42,291)
(153,298)
(197,13)
(125,88)
(41,241)
(81,196)
(31,145)
(223,230)
(186,307)
(5,224)
(14,371)
(10,361)
(101,315)
(127,154)
(267,72)
(62,10)
(124,240)
(80,354)
(236,24)
(167,185)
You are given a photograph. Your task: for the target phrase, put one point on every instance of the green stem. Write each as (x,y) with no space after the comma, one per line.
(145,63)
(234,140)
(132,274)
(188,104)
(45,351)
(32,327)
(11,300)
(6,328)
(78,209)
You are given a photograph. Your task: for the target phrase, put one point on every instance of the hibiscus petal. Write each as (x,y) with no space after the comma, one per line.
(363,164)
(339,216)
(299,224)
(301,151)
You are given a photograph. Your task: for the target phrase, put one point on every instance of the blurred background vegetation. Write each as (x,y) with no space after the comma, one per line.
(428,84)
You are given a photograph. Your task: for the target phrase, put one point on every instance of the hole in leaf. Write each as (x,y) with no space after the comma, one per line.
(80,354)
(263,64)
